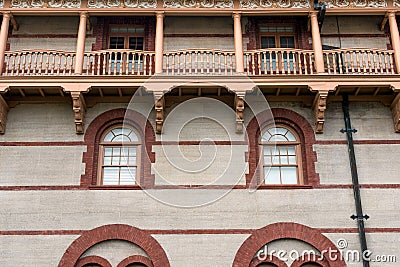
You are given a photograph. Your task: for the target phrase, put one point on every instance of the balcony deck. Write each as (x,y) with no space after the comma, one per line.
(262,62)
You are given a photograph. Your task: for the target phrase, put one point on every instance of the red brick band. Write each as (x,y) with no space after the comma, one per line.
(115,232)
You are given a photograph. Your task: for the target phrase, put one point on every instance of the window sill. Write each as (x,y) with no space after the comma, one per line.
(285,186)
(115,187)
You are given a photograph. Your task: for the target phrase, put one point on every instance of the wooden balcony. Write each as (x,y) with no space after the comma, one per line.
(263,62)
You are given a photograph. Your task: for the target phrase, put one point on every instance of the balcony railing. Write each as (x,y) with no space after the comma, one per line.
(279,61)
(198,62)
(119,62)
(38,62)
(359,61)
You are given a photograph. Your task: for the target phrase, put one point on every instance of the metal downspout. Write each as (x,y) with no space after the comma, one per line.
(354,176)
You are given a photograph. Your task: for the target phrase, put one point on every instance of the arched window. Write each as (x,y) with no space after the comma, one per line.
(119,156)
(281,154)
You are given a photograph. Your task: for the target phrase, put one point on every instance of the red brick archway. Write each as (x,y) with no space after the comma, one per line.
(297,123)
(106,120)
(284,230)
(115,232)
(136,259)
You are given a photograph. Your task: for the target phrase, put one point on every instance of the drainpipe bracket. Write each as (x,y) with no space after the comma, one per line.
(360,218)
(348,130)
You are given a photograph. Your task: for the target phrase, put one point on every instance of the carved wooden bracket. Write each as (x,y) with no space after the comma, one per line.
(319,108)
(239,108)
(396,113)
(159,107)
(79,108)
(3,114)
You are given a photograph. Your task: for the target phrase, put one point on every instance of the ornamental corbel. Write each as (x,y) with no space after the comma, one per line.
(3,114)
(319,107)
(395,107)
(159,108)
(79,108)
(239,108)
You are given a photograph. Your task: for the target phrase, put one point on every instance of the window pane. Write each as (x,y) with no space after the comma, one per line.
(284,160)
(291,151)
(287,41)
(289,175)
(116,151)
(267,160)
(123,160)
(275,160)
(292,160)
(110,175)
(268,42)
(107,160)
(136,43)
(107,151)
(133,137)
(272,175)
(282,150)
(116,42)
(127,176)
(290,136)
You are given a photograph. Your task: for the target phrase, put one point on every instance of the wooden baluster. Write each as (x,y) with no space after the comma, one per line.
(64,59)
(184,62)
(29,63)
(387,70)
(213,62)
(345,61)
(219,62)
(364,55)
(294,62)
(253,65)
(357,58)
(208,61)
(12,65)
(99,66)
(340,63)
(352,61)
(390,55)
(298,63)
(271,65)
(335,65)
(145,60)
(58,63)
(381,61)
(151,57)
(368,54)
(258,63)
(232,63)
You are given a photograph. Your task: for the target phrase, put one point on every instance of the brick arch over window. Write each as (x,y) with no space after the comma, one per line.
(303,129)
(100,261)
(145,241)
(303,260)
(284,230)
(103,122)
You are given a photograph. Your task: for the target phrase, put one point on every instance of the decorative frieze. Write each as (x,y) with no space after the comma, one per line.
(198,3)
(396,3)
(355,3)
(274,4)
(122,3)
(45,3)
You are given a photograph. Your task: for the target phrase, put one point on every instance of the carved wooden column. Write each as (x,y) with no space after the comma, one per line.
(317,45)
(79,108)
(396,113)
(237,32)
(319,107)
(3,114)
(3,37)
(159,42)
(394,34)
(80,43)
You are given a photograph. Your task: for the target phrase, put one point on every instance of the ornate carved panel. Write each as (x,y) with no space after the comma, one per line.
(198,3)
(1,3)
(396,3)
(44,3)
(274,3)
(355,3)
(122,3)
(239,107)
(159,107)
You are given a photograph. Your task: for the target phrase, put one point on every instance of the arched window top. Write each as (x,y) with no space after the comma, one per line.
(121,134)
(278,134)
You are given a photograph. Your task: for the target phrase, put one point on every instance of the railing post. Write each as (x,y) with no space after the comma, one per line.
(159,42)
(237,32)
(80,43)
(394,34)
(3,37)
(317,45)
